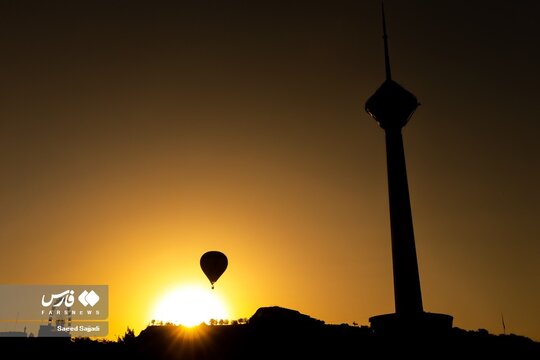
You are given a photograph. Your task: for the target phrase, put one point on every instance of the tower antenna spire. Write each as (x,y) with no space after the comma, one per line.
(386,53)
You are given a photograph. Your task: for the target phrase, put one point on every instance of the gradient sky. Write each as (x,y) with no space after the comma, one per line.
(136,135)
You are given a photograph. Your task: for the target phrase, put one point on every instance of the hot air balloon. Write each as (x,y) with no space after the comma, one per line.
(213,264)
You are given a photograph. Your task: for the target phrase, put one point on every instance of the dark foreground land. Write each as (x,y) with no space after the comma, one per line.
(276,333)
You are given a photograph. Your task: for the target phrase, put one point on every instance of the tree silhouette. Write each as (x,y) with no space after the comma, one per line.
(128,338)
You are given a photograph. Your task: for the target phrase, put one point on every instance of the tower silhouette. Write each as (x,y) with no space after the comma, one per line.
(392,106)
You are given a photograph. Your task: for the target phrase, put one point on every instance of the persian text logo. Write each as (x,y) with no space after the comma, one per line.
(88,298)
(57,300)
(67,299)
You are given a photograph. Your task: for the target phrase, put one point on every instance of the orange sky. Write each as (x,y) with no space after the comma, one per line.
(136,136)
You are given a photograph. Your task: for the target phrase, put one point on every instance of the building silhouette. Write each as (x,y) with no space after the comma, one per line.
(392,106)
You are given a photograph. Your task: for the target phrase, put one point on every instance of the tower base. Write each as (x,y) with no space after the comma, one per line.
(421,324)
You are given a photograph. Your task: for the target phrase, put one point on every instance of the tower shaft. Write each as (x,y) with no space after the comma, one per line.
(407,291)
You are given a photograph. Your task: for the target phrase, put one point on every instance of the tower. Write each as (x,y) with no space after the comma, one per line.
(392,106)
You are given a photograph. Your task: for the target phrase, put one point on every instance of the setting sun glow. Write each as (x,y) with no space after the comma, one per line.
(190,306)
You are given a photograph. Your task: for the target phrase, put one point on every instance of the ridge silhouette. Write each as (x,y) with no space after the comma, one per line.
(274,333)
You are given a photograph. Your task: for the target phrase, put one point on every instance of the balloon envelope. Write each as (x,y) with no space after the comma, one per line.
(213,264)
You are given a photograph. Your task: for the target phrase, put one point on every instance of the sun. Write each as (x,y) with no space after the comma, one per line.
(190,305)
